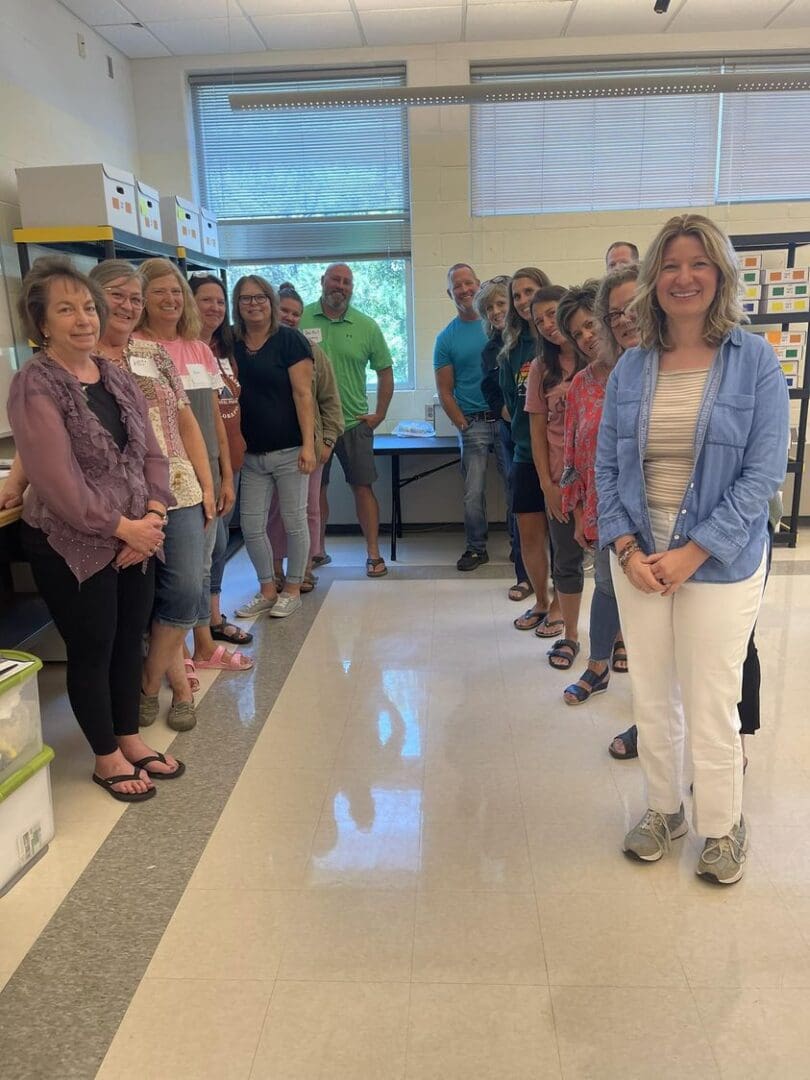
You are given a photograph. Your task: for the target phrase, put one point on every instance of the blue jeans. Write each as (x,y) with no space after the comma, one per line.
(604,610)
(504,454)
(221,545)
(475,444)
(262,474)
(177,580)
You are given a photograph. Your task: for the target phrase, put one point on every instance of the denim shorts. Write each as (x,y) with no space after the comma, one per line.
(178,580)
(355,451)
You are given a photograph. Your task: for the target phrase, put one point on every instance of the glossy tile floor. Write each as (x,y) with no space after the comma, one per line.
(418,872)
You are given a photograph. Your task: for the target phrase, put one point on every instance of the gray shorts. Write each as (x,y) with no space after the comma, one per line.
(355,451)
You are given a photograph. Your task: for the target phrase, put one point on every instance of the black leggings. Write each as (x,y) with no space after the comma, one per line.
(102,622)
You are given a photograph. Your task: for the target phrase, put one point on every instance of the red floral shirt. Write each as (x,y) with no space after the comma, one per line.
(583,414)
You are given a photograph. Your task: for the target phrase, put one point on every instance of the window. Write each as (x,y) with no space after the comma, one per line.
(634,152)
(296,189)
(380,290)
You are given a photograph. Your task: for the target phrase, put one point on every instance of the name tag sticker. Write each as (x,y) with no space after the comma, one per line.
(144,366)
(313,335)
(226,367)
(197,378)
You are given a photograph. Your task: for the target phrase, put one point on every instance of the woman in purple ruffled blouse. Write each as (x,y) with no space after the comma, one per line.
(93,517)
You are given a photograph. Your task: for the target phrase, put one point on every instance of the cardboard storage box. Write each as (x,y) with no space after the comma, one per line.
(792,381)
(790,369)
(790,288)
(750,292)
(783,275)
(787,305)
(26,818)
(751,307)
(55,195)
(148,211)
(785,337)
(750,260)
(209,233)
(749,277)
(789,353)
(180,221)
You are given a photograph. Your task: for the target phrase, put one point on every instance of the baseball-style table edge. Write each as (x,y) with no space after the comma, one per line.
(395,448)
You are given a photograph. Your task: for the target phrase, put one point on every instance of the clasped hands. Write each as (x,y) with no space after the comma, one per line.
(665,571)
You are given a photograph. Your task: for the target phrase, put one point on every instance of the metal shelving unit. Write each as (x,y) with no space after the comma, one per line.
(787,242)
(106,242)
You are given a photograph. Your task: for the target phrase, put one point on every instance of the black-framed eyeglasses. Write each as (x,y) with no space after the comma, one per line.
(259,299)
(614,317)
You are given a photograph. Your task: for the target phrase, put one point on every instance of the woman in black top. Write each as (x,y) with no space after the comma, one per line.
(275,371)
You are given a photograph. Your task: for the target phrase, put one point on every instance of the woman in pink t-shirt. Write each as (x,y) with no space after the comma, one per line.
(546,389)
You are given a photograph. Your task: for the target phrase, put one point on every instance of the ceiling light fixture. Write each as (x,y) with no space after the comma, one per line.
(661,7)
(548,89)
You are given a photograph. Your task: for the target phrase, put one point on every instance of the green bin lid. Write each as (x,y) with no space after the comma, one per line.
(25,772)
(14,677)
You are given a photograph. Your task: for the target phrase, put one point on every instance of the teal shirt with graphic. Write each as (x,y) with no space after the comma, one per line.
(514,371)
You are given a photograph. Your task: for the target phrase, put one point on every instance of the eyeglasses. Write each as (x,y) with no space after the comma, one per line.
(259,299)
(124,298)
(614,317)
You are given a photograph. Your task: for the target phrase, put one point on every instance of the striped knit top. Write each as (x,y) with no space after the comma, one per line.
(670,454)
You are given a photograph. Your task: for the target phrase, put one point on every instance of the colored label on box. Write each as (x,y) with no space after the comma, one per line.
(791,288)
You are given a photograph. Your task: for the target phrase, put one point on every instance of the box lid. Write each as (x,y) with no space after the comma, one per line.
(208,214)
(145,189)
(184,204)
(31,768)
(121,176)
(24,666)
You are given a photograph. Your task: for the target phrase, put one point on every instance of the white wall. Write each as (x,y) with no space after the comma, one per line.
(55,108)
(568,246)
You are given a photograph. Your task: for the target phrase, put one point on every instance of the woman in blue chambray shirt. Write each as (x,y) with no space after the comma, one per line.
(691,447)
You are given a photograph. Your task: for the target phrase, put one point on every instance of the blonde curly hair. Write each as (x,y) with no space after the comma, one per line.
(725,311)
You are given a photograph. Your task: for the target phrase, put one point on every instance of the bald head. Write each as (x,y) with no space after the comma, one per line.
(337,285)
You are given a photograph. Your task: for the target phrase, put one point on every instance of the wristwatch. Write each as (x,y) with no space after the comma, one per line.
(329,442)
(159,514)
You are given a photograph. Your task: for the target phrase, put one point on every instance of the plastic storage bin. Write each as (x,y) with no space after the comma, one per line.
(148,211)
(54,195)
(180,222)
(26,818)
(20,724)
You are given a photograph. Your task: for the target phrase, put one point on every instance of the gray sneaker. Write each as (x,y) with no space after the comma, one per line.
(182,716)
(256,606)
(285,605)
(723,858)
(652,837)
(148,709)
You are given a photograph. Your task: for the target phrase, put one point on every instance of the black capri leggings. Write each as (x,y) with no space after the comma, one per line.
(102,622)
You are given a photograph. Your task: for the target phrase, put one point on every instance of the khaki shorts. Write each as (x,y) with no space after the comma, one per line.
(355,451)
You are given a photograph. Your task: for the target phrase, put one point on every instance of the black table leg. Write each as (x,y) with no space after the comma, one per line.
(396,506)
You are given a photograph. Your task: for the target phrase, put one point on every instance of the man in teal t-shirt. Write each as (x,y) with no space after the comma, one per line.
(457,365)
(352,341)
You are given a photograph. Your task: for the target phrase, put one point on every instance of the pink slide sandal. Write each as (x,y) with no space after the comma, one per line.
(222,660)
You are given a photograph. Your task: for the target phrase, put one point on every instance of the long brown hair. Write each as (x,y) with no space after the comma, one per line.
(516,324)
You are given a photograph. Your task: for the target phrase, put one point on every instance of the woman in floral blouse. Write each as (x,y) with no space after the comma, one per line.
(603,345)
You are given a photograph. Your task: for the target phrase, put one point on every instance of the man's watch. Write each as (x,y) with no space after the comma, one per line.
(158,513)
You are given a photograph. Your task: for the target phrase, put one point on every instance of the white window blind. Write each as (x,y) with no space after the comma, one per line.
(303,183)
(636,152)
(764,147)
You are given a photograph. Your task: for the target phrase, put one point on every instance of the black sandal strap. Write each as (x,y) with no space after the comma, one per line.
(157,756)
(110,781)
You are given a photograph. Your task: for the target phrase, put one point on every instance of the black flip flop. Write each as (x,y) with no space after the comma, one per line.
(241,637)
(123,796)
(159,775)
(619,647)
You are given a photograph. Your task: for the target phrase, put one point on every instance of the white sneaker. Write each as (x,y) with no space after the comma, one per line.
(256,606)
(285,605)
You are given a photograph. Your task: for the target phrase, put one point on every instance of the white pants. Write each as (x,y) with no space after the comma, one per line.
(687,652)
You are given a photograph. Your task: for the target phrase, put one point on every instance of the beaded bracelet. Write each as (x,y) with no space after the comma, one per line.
(626,554)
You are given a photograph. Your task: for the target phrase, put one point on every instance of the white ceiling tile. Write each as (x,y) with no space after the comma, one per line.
(700,16)
(796,17)
(598,18)
(327,31)
(302,7)
(515,20)
(412,26)
(134,41)
(187,37)
(172,10)
(98,12)
(389,5)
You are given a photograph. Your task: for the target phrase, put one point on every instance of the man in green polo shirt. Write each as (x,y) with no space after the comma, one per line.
(353,341)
